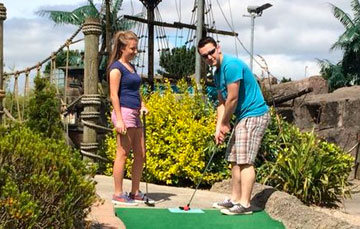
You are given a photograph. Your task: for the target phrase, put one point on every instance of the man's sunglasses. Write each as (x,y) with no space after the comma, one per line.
(209,53)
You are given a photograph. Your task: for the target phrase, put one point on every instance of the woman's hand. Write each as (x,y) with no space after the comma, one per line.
(144,109)
(120,127)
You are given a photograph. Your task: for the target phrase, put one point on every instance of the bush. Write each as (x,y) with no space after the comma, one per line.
(43,184)
(179,63)
(180,132)
(302,164)
(44,110)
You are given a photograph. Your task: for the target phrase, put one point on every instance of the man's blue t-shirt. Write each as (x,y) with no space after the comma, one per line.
(251,102)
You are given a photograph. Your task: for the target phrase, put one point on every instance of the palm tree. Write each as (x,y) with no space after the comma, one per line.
(78,16)
(349,43)
(350,39)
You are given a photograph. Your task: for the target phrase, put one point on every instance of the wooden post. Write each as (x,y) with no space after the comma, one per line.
(108,28)
(199,70)
(2,91)
(150,18)
(150,6)
(91,98)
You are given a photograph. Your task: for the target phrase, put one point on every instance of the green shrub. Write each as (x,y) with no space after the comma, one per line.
(43,184)
(180,132)
(44,110)
(178,63)
(302,164)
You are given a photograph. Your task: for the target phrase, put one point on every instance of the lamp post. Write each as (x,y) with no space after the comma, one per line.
(254,11)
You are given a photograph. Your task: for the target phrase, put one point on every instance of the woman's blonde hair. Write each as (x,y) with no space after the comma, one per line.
(120,40)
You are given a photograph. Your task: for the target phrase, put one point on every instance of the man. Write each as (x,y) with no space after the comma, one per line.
(238,94)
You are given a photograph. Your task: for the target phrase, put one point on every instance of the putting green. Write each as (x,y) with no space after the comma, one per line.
(156,218)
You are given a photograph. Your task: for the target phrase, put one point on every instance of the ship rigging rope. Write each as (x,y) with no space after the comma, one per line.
(353,147)
(232,23)
(190,36)
(49,57)
(178,10)
(241,43)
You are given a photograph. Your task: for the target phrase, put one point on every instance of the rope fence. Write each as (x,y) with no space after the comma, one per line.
(39,64)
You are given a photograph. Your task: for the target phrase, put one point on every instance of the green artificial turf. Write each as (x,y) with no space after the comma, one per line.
(156,218)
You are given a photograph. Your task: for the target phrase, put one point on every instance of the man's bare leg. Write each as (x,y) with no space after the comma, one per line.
(247,174)
(236,183)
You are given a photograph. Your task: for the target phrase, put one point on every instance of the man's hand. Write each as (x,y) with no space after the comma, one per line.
(221,133)
(219,137)
(224,129)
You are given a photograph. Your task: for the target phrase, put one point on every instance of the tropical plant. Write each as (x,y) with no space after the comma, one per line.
(349,43)
(302,164)
(334,75)
(178,63)
(75,59)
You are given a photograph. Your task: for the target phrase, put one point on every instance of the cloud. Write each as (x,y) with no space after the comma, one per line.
(27,9)
(290,67)
(290,35)
(27,42)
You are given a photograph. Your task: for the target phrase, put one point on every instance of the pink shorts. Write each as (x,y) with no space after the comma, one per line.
(131,117)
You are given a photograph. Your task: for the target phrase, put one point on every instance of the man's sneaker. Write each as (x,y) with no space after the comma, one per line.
(223,205)
(141,198)
(237,209)
(123,199)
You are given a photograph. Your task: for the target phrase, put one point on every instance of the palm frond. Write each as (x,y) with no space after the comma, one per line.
(356,9)
(60,17)
(116,7)
(342,42)
(343,17)
(87,11)
(123,24)
(348,39)
(323,64)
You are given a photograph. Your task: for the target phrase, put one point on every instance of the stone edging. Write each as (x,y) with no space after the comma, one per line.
(286,208)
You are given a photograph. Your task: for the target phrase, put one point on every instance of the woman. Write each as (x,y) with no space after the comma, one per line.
(127,106)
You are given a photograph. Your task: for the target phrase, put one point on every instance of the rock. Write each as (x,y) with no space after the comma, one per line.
(286,208)
(266,81)
(334,116)
(276,91)
(317,83)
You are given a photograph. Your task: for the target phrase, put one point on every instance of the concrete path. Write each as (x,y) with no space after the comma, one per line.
(165,197)
(352,206)
(168,197)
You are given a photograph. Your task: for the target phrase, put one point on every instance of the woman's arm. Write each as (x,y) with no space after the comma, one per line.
(115,77)
(143,107)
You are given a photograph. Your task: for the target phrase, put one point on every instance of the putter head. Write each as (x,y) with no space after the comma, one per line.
(149,202)
(185,208)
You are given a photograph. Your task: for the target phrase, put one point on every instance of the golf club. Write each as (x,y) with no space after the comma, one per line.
(148,202)
(187,207)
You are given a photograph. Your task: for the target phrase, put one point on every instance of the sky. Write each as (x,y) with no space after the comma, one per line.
(290,36)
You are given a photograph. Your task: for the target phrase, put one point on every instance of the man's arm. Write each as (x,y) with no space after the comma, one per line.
(220,113)
(230,103)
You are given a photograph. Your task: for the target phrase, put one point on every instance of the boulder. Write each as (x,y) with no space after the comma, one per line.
(317,83)
(286,208)
(334,116)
